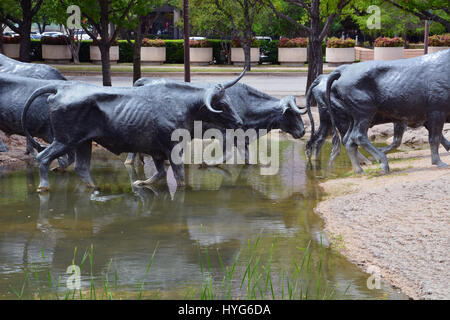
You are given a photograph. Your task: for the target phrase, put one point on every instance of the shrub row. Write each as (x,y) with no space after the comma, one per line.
(174,51)
(442,40)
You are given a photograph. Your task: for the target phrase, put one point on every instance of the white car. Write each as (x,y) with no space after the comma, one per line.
(197,38)
(82,34)
(52,34)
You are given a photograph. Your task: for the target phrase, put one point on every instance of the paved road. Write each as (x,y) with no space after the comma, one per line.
(273,85)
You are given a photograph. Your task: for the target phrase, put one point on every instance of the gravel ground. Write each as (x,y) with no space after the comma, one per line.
(399,223)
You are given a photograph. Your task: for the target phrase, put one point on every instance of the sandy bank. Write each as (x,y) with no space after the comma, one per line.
(399,222)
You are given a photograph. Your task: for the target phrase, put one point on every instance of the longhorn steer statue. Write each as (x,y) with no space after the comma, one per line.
(315,143)
(9,101)
(30,70)
(256,109)
(134,119)
(14,91)
(415,91)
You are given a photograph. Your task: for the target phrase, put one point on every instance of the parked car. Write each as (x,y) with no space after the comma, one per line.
(10,34)
(82,34)
(52,34)
(197,38)
(263,38)
(35,35)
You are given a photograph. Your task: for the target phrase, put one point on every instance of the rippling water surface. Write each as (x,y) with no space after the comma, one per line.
(219,212)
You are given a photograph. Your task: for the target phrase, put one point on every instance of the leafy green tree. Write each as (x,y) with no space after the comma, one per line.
(18,16)
(47,14)
(394,21)
(235,18)
(102,20)
(434,10)
(137,19)
(316,23)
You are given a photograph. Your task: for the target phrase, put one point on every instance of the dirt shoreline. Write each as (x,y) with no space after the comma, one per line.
(398,223)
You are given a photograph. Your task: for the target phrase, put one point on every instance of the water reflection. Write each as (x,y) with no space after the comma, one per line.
(221,209)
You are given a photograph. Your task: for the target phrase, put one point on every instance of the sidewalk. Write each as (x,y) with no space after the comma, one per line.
(126,69)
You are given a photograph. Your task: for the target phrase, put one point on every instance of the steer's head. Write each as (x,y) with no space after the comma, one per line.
(219,106)
(290,119)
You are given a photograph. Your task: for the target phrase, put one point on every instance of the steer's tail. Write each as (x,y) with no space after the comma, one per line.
(308,107)
(34,95)
(336,74)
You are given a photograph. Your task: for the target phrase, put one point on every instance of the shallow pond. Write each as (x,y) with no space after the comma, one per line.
(198,232)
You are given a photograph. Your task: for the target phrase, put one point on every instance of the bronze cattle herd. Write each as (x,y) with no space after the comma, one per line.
(37,101)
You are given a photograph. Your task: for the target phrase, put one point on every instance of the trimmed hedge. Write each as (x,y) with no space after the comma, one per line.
(174,51)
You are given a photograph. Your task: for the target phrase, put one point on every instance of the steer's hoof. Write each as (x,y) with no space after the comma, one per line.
(385,168)
(441,164)
(43,189)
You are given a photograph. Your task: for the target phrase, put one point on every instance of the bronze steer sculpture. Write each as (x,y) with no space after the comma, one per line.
(415,91)
(30,70)
(11,103)
(315,143)
(256,109)
(132,119)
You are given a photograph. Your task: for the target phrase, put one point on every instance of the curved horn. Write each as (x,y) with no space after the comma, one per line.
(208,98)
(296,108)
(231,83)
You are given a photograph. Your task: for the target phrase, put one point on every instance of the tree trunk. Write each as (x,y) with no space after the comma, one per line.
(137,54)
(315,61)
(74,45)
(187,57)
(106,63)
(315,56)
(25,30)
(25,41)
(247,48)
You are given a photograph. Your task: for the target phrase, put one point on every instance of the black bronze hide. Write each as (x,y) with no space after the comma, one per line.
(414,91)
(136,119)
(256,109)
(14,95)
(318,90)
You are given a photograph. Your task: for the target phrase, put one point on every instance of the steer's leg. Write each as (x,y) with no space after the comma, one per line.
(435,125)
(362,139)
(178,172)
(158,176)
(445,143)
(29,148)
(319,138)
(83,162)
(44,158)
(130,158)
(3,148)
(352,150)
(399,130)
